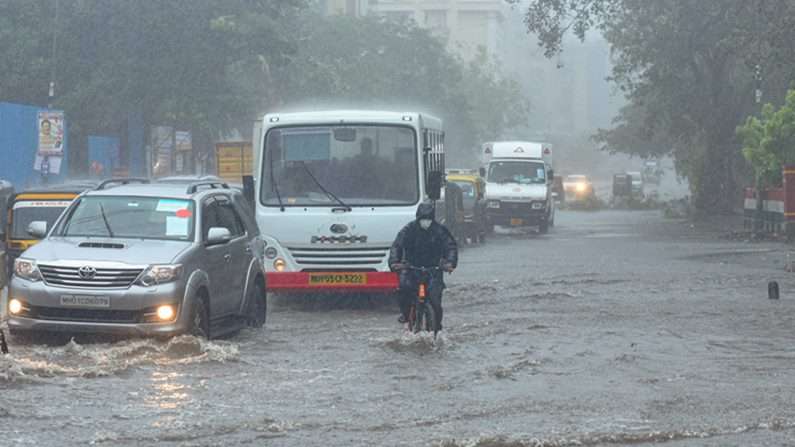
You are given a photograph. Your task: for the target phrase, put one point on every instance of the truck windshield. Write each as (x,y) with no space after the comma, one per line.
(330,165)
(130,217)
(522,172)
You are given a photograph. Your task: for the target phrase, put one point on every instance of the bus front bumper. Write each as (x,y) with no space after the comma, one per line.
(332,282)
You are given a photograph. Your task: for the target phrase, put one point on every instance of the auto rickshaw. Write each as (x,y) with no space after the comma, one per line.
(6,191)
(45,203)
(474,206)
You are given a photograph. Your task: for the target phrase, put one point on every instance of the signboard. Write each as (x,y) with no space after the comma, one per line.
(234,160)
(162,150)
(51,133)
(183,139)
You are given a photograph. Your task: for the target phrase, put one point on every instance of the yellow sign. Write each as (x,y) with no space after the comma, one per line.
(234,160)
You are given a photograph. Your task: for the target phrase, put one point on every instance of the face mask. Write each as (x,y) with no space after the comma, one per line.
(425,223)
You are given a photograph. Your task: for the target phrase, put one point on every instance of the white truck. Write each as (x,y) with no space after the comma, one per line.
(518,184)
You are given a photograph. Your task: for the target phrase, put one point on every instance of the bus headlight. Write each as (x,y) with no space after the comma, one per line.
(279,265)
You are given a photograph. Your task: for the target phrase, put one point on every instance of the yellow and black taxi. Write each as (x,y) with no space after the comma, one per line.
(44,203)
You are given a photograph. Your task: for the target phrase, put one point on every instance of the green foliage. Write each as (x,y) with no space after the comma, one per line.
(372,62)
(687,68)
(769,142)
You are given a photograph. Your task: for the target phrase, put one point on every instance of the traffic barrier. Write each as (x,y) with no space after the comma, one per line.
(778,206)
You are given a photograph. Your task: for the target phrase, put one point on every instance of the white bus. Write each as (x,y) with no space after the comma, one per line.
(334,188)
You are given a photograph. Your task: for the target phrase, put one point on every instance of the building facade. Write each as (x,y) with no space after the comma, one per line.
(468,26)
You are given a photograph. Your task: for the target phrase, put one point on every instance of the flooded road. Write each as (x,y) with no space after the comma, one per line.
(616,328)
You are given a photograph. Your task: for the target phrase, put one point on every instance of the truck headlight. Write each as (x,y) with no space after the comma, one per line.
(538,205)
(27,269)
(493,204)
(160,274)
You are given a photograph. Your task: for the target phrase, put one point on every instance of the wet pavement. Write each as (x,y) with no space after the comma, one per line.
(617,328)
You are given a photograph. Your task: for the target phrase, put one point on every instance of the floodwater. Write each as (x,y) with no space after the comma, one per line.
(617,328)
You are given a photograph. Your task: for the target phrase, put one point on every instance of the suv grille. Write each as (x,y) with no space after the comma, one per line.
(336,257)
(104,278)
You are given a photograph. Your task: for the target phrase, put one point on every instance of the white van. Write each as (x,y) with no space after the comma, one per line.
(518,185)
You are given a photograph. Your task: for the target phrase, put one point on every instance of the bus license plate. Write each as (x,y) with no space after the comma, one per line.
(85,301)
(517,222)
(337,279)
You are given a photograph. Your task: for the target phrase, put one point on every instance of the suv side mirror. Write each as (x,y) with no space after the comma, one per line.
(218,235)
(435,185)
(38,229)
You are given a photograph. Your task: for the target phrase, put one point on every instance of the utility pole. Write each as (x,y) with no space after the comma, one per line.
(45,162)
(760,206)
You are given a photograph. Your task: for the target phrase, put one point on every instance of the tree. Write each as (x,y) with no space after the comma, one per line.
(378,63)
(688,67)
(195,64)
(769,141)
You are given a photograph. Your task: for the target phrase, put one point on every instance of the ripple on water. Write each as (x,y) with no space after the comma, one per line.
(34,362)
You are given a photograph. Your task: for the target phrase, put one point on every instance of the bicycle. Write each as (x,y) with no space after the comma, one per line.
(422,315)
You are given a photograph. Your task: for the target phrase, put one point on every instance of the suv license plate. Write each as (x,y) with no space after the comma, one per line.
(344,279)
(85,301)
(517,222)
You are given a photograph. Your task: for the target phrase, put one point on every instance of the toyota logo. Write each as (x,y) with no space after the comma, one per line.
(339,228)
(87,272)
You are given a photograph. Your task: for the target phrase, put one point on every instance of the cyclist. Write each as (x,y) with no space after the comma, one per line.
(423,243)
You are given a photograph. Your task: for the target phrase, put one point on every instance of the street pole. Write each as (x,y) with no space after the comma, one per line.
(45,162)
(758,217)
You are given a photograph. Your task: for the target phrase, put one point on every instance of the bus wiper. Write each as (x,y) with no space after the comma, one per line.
(274,183)
(105,219)
(325,191)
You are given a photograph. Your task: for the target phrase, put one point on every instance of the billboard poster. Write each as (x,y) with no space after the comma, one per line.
(51,133)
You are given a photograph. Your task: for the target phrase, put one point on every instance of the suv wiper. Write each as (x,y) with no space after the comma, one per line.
(105,219)
(326,191)
(274,183)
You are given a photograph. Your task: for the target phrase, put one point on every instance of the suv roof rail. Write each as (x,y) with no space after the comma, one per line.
(121,181)
(210,184)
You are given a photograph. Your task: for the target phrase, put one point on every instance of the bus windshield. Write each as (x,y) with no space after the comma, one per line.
(335,165)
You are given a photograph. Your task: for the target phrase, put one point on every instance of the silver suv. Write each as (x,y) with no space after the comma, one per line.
(145,259)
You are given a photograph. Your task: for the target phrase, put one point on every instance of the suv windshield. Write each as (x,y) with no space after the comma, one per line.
(130,217)
(329,165)
(522,172)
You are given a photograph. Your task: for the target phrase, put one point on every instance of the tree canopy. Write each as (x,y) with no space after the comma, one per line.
(689,70)
(211,65)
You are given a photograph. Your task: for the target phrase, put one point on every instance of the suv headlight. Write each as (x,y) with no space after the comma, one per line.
(493,204)
(160,274)
(27,269)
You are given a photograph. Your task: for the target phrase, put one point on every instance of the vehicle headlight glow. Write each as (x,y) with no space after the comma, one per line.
(494,204)
(15,307)
(160,274)
(581,187)
(27,269)
(166,312)
(279,265)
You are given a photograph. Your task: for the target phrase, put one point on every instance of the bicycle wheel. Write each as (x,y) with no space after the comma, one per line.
(431,325)
(419,321)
